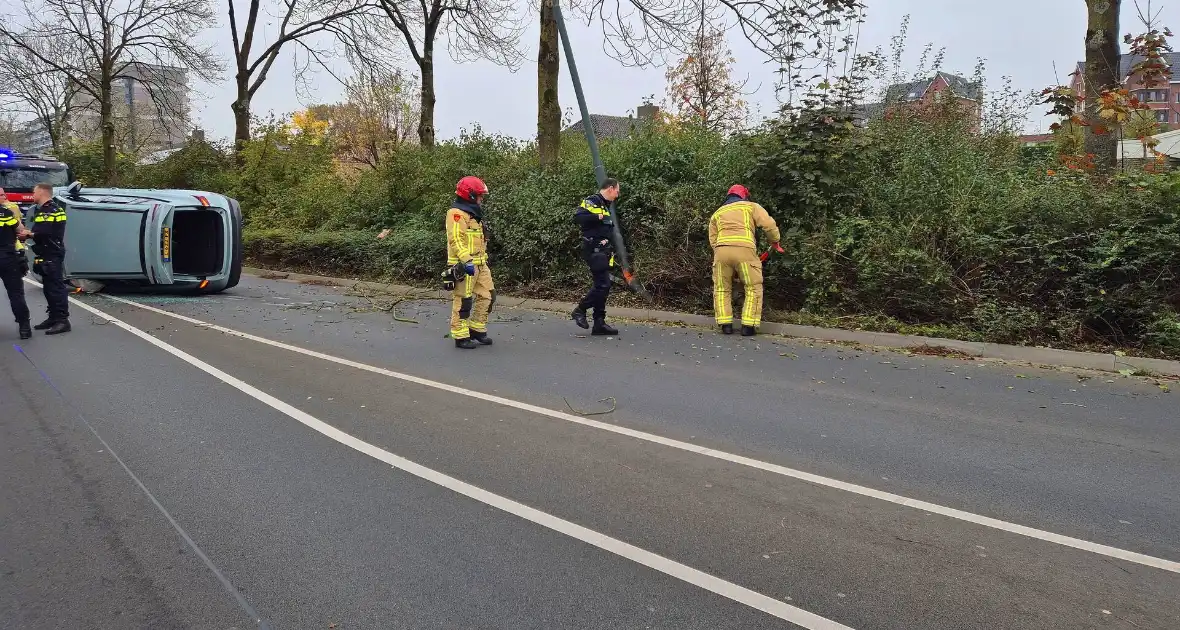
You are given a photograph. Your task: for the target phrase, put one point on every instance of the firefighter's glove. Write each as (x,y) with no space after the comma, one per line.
(469,267)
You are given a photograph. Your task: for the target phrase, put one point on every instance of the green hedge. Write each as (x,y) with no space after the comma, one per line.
(914,223)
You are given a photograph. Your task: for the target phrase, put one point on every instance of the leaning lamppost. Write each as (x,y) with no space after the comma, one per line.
(599,169)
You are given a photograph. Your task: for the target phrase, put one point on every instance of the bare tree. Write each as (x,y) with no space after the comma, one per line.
(94,43)
(548,104)
(314,27)
(35,88)
(10,135)
(474,29)
(797,35)
(701,87)
(379,115)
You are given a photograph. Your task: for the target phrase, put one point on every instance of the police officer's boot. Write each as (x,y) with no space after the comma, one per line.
(579,317)
(45,325)
(481,338)
(59,327)
(602,329)
(466,344)
(748,331)
(727,329)
(26,331)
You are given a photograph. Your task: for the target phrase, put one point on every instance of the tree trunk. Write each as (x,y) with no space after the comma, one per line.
(241,107)
(1101,73)
(548,105)
(106,123)
(426,119)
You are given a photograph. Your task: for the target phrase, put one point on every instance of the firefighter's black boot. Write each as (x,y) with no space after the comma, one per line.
(45,325)
(727,329)
(481,338)
(466,344)
(748,331)
(579,317)
(59,327)
(26,331)
(602,329)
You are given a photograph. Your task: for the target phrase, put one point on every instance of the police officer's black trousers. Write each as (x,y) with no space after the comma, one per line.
(599,263)
(57,295)
(14,286)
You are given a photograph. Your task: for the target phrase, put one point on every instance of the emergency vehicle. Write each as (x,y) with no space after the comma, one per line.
(19,172)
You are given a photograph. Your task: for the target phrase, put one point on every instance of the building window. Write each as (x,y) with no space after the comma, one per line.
(1153,96)
(1161,115)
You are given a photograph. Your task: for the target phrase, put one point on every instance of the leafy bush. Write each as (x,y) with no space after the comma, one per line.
(917,222)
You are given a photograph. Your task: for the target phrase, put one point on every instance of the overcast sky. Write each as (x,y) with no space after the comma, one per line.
(1022,39)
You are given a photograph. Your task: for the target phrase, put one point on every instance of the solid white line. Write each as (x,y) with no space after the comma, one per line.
(646,558)
(986,521)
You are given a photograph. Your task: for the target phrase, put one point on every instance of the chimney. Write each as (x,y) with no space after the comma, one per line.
(647,111)
(198,135)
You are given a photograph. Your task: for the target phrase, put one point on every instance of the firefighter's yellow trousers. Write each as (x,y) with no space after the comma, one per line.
(730,261)
(470,303)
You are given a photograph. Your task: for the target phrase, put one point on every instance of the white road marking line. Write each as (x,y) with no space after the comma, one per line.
(986,521)
(683,572)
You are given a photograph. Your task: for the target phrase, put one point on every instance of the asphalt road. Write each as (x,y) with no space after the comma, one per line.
(329,496)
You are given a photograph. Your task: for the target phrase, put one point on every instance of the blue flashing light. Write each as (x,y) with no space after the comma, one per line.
(5,154)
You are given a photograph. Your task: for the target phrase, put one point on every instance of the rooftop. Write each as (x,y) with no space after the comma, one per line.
(1126,62)
(615,127)
(915,90)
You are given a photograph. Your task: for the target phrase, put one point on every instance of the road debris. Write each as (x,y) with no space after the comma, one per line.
(614,404)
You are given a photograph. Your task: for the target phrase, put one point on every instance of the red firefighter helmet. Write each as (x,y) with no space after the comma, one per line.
(470,187)
(740,191)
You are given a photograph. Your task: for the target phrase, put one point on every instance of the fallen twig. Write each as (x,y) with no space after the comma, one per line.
(614,405)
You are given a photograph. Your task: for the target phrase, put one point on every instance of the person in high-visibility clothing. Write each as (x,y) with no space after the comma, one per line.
(474,292)
(594,218)
(14,265)
(15,210)
(731,235)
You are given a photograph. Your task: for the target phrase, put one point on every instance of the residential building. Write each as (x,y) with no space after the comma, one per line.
(616,127)
(151,110)
(931,91)
(34,138)
(1163,100)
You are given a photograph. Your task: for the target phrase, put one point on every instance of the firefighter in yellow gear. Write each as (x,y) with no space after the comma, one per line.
(731,235)
(474,292)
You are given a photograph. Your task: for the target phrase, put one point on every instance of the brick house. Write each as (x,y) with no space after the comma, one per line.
(928,92)
(1163,100)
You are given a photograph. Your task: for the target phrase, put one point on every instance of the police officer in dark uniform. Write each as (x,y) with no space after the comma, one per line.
(593,216)
(49,250)
(13,267)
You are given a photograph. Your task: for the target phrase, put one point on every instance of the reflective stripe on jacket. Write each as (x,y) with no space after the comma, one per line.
(465,238)
(15,210)
(733,225)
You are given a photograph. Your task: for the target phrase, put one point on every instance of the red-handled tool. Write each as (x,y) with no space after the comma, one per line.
(766,254)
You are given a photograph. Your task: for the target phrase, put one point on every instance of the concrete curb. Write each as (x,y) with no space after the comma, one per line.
(1040,356)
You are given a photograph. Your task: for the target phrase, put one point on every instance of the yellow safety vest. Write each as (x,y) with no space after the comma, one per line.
(11,220)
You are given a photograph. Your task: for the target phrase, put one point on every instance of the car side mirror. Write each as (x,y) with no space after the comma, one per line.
(74,190)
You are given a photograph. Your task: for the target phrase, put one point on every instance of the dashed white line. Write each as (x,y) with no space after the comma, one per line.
(680,571)
(978,519)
